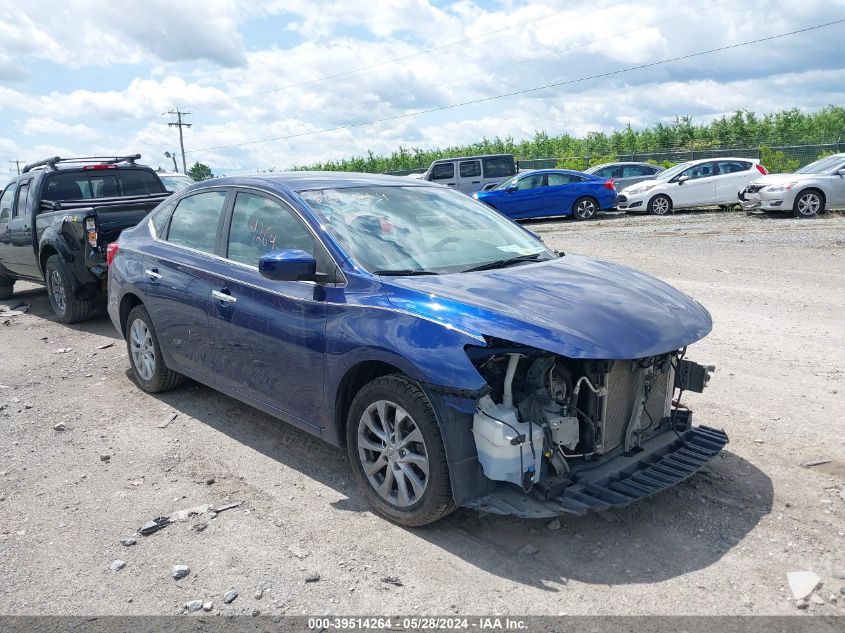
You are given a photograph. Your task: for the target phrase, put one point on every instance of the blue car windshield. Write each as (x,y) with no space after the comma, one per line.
(408,230)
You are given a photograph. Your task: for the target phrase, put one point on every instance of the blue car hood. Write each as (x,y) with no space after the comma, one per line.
(574,306)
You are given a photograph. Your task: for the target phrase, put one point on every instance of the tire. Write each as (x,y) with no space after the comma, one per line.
(585,208)
(145,358)
(411,430)
(7,289)
(660,205)
(66,307)
(808,203)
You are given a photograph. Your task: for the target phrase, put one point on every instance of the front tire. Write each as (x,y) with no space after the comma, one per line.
(585,208)
(148,367)
(397,454)
(660,205)
(65,305)
(808,203)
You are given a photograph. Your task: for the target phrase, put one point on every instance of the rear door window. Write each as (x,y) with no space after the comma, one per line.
(733,166)
(139,182)
(22,206)
(498,167)
(555,180)
(470,169)
(443,171)
(634,171)
(261,225)
(704,170)
(196,221)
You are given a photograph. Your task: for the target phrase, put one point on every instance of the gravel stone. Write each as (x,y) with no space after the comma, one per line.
(128,541)
(229,596)
(528,550)
(553,525)
(193,605)
(180,571)
(207,606)
(312,577)
(117,565)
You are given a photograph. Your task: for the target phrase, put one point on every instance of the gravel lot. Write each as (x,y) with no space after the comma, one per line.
(722,543)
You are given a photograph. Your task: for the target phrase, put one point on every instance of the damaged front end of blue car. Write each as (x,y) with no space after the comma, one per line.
(581,405)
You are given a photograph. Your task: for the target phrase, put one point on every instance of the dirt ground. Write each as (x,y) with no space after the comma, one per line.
(721,543)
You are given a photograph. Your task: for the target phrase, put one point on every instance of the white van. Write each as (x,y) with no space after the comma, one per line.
(472,173)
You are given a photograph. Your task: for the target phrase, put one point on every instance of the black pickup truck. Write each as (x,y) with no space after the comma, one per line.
(59,215)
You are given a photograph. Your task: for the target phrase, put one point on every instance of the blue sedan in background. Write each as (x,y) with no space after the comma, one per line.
(551,192)
(457,359)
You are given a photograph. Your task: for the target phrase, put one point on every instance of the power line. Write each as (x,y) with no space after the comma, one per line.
(178,123)
(17,164)
(528,90)
(554,54)
(352,71)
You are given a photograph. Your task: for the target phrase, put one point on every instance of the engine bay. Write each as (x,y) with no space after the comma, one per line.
(547,416)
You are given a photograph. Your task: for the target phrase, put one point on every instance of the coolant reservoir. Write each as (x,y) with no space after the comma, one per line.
(494,426)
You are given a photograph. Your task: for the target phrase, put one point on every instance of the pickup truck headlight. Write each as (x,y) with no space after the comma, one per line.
(638,190)
(787,186)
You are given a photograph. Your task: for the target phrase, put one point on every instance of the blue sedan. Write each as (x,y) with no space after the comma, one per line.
(551,192)
(456,358)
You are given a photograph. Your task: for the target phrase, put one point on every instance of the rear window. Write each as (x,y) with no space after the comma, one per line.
(82,185)
(499,167)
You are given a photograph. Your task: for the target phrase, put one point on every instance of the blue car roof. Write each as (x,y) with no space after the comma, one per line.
(306,180)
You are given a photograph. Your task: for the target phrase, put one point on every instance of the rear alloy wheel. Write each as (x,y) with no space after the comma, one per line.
(660,205)
(808,204)
(65,305)
(584,208)
(151,374)
(396,452)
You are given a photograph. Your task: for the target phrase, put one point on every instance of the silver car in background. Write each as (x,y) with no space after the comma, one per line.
(804,193)
(625,174)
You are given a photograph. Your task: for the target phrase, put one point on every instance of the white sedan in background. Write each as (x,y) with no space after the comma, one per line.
(697,183)
(804,193)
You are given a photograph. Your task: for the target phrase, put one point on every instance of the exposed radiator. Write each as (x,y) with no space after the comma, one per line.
(622,384)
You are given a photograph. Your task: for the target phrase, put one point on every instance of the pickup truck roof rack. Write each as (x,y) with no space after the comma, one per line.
(50,163)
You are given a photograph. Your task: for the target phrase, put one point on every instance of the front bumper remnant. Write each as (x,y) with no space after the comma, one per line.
(664,462)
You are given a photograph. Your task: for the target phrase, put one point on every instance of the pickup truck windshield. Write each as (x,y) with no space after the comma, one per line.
(101,183)
(418,230)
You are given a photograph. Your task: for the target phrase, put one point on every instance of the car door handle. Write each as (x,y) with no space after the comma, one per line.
(222,296)
(476,182)
(153,274)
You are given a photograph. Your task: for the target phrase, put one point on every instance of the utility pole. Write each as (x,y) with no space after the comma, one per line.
(17,164)
(178,123)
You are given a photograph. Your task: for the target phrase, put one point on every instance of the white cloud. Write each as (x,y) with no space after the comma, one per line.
(41,126)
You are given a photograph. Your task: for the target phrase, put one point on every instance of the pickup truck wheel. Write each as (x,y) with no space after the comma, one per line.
(397,454)
(67,308)
(7,288)
(148,367)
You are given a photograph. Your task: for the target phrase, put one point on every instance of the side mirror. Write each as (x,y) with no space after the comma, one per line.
(841,172)
(511,188)
(288,265)
(682,179)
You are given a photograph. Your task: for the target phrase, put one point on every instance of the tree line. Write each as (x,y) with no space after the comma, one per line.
(743,129)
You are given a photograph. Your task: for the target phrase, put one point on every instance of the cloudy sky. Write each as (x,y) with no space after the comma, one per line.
(82,77)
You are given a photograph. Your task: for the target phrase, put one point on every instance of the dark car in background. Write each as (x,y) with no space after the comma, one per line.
(57,217)
(551,192)
(625,174)
(457,359)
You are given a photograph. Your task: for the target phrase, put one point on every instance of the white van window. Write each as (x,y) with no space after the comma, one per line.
(499,167)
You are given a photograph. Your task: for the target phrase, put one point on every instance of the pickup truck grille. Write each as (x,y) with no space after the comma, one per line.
(622,384)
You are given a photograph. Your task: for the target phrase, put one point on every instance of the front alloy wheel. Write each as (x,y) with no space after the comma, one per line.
(807,204)
(393,453)
(396,452)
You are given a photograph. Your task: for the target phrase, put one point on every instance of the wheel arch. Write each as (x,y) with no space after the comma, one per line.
(127,302)
(660,194)
(353,380)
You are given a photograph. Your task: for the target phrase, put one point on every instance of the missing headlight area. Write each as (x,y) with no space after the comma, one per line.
(550,422)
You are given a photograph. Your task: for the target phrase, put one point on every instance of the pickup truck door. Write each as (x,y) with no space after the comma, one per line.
(17,253)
